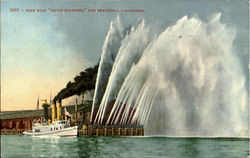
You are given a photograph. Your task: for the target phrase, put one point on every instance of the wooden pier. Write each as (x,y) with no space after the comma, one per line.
(90,130)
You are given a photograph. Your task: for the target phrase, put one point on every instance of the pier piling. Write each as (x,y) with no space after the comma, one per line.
(90,130)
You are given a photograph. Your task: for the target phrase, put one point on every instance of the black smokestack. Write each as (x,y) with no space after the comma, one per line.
(46,111)
(82,82)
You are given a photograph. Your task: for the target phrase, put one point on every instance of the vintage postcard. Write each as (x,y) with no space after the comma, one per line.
(117,78)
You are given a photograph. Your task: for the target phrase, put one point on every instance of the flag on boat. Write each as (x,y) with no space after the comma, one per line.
(66,112)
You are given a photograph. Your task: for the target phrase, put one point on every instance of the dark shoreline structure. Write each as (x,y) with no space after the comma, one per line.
(16,122)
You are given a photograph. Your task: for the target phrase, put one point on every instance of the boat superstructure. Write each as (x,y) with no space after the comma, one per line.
(58,127)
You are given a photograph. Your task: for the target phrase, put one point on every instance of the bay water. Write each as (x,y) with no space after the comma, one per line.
(106,147)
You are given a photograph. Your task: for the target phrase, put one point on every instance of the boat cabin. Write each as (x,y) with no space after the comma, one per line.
(56,125)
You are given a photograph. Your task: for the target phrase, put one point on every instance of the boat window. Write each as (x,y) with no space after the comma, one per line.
(37,130)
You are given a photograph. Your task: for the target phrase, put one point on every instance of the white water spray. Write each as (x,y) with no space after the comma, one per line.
(188,81)
(129,53)
(109,51)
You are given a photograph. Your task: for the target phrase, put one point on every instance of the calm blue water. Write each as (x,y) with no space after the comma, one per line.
(25,146)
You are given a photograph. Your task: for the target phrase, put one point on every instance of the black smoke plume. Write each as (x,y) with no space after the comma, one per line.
(82,82)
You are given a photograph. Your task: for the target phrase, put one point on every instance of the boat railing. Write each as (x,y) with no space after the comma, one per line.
(39,122)
(34,122)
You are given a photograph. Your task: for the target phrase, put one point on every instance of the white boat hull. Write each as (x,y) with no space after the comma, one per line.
(70,131)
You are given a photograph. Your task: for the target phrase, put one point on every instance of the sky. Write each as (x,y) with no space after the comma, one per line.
(41,52)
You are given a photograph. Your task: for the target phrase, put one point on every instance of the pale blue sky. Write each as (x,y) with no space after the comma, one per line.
(43,51)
